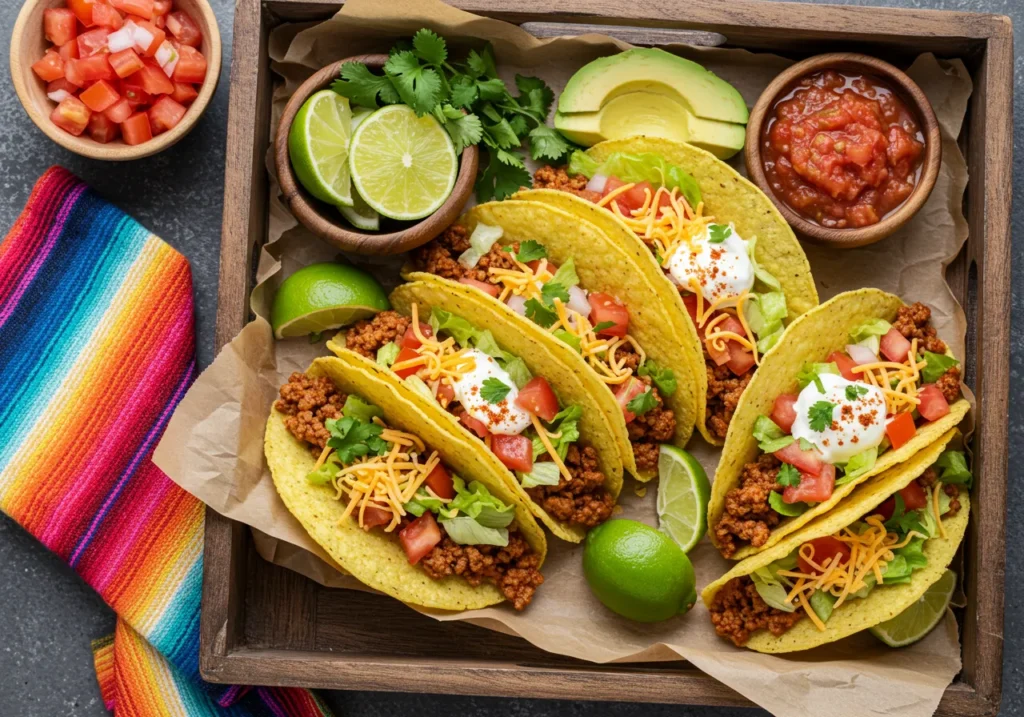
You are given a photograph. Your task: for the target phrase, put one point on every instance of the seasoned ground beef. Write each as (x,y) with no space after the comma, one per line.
(748,515)
(368,335)
(583,500)
(912,322)
(738,611)
(628,356)
(949,384)
(928,479)
(515,569)
(649,430)
(548,177)
(724,391)
(440,256)
(307,404)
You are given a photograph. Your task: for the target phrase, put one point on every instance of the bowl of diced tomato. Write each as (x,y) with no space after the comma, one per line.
(115,79)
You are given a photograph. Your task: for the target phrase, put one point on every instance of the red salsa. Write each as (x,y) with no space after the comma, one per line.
(842,149)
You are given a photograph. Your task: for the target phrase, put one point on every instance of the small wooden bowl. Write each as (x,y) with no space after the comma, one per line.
(324,220)
(909,92)
(28,45)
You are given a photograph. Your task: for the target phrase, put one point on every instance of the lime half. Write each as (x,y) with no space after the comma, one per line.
(404,166)
(683,494)
(359,214)
(318,146)
(920,618)
(325,296)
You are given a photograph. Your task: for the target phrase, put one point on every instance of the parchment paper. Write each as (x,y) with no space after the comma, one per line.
(213,446)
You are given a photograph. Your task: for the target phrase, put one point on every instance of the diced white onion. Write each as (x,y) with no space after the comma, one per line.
(861,354)
(122,39)
(597,182)
(517,304)
(58,96)
(167,57)
(143,37)
(578,301)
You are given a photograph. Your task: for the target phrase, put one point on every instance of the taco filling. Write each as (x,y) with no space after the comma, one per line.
(859,403)
(884,547)
(595,324)
(494,395)
(391,482)
(737,307)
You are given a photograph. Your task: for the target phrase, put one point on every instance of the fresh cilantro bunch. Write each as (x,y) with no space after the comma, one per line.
(472,103)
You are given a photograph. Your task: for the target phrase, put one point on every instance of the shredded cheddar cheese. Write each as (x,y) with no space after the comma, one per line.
(435,360)
(903,396)
(545,438)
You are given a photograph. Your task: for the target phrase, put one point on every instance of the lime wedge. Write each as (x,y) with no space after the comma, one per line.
(404,166)
(920,618)
(360,215)
(318,146)
(325,296)
(683,494)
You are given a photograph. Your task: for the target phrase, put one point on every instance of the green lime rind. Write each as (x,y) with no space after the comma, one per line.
(683,495)
(325,296)
(318,146)
(920,618)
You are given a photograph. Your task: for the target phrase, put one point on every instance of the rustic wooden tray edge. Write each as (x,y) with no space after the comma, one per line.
(224,656)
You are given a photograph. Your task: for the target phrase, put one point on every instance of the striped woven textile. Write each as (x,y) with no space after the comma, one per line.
(97,347)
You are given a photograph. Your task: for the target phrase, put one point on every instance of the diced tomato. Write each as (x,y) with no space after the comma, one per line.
(740,360)
(59,25)
(185,29)
(165,114)
(158,37)
(92,42)
(125,63)
(142,8)
(478,427)
(626,393)
(933,404)
(82,10)
(409,340)
(484,286)
(119,111)
(184,93)
(605,308)
(690,302)
(444,391)
(69,50)
(162,7)
(633,198)
(92,69)
(135,129)
(71,72)
(106,16)
(102,129)
(405,354)
(100,96)
(440,481)
(538,398)
(49,67)
(900,429)
(160,21)
(548,266)
(784,411)
(372,517)
(914,498)
(894,346)
(845,364)
(824,548)
(812,488)
(71,115)
(191,65)
(154,81)
(516,452)
(726,354)
(807,461)
(61,84)
(419,537)
(134,93)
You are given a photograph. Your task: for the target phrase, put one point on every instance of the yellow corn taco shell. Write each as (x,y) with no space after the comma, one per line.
(602,266)
(810,338)
(729,197)
(595,426)
(373,557)
(884,601)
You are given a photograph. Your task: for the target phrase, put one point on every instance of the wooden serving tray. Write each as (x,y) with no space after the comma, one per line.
(262,624)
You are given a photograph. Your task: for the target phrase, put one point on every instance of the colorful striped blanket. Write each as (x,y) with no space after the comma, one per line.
(97,347)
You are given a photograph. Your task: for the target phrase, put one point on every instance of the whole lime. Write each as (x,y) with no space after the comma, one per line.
(638,572)
(325,296)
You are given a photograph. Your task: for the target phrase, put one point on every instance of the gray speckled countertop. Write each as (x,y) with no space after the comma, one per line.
(49,616)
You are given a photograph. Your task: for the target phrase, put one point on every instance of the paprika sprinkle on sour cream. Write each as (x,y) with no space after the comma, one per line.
(842,149)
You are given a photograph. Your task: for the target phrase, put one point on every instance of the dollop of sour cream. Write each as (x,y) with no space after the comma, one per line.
(503,417)
(723,270)
(857,423)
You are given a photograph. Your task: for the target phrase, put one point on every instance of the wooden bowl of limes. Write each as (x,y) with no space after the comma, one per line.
(347,179)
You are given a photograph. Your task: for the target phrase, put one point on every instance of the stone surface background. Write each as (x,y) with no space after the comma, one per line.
(49,616)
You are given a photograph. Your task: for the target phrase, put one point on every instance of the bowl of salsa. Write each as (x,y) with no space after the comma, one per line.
(846,145)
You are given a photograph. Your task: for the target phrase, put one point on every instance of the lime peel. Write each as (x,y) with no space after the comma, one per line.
(683,495)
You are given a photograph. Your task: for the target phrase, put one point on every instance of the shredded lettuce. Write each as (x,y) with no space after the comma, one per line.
(415,384)
(566,275)
(518,371)
(810,372)
(765,314)
(467,335)
(476,502)
(770,437)
(567,338)
(869,333)
(936,365)
(770,586)
(360,410)
(953,465)
(480,242)
(762,274)
(645,167)
(822,604)
(859,464)
(565,422)
(543,473)
(325,473)
(466,531)
(387,354)
(790,510)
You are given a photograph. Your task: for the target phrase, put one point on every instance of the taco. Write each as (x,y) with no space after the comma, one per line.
(395,499)
(856,386)
(862,564)
(567,287)
(727,266)
(527,413)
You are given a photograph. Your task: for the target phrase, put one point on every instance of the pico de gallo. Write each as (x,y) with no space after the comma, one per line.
(737,307)
(885,547)
(496,398)
(871,397)
(391,481)
(595,324)
(120,68)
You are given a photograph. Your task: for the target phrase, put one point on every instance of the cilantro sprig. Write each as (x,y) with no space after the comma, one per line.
(352,438)
(472,103)
(718,233)
(642,403)
(855,392)
(819,415)
(788,476)
(494,390)
(531,250)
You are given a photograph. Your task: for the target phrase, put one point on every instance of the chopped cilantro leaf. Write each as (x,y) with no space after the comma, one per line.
(663,378)
(642,403)
(718,233)
(554,290)
(820,415)
(540,314)
(788,476)
(418,86)
(352,438)
(531,250)
(494,390)
(855,392)
(603,326)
